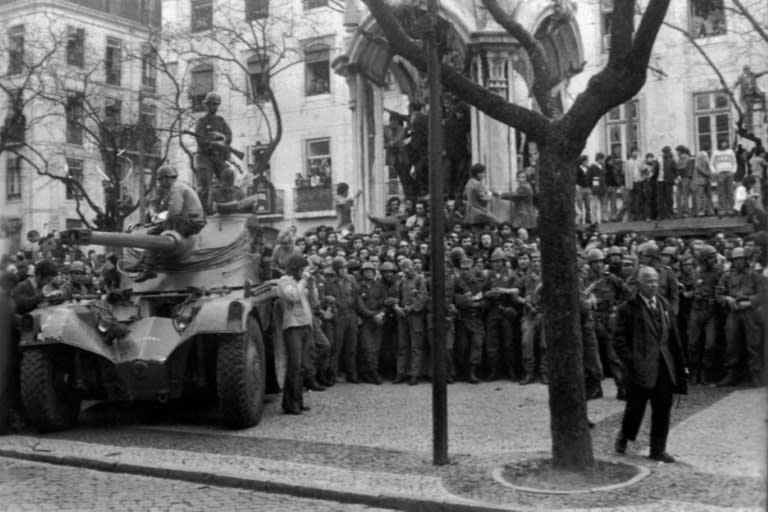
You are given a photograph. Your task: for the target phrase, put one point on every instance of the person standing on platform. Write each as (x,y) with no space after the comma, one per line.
(213,139)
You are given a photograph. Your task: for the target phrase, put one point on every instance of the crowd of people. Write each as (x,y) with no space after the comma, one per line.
(369,299)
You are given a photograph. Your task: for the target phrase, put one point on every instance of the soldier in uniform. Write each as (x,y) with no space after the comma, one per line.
(668,287)
(606,292)
(184,215)
(501,290)
(79,283)
(450,325)
(471,303)
(739,292)
(531,324)
(371,311)
(411,329)
(213,139)
(389,343)
(685,279)
(342,288)
(703,318)
(326,313)
(613,260)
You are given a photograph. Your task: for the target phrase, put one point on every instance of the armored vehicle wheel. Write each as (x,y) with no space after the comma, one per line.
(241,378)
(48,398)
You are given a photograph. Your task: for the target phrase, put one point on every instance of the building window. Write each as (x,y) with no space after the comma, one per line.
(15,123)
(606,22)
(707,18)
(318,171)
(256,10)
(16,50)
(202,15)
(74,113)
(314,4)
(201,83)
(622,129)
(76,46)
(712,111)
(113,61)
(13,177)
(148,68)
(258,80)
(148,125)
(74,173)
(317,69)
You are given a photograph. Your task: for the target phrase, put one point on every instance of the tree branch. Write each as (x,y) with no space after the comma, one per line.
(751,19)
(541,88)
(496,107)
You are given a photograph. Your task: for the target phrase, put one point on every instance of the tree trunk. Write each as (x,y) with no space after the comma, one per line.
(571,439)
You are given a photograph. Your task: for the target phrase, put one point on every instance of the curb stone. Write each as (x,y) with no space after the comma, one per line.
(408,503)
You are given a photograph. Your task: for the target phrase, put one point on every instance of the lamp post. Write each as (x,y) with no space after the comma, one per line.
(437,234)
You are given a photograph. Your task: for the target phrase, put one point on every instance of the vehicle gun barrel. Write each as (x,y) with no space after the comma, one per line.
(168,241)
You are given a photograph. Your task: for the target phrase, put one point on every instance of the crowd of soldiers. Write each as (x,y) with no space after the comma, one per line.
(371,303)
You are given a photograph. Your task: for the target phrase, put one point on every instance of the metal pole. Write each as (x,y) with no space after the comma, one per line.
(437,233)
(140,160)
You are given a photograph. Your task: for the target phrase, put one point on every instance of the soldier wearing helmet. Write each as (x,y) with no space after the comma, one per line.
(391,288)
(183,210)
(739,292)
(668,285)
(605,292)
(213,139)
(471,303)
(668,257)
(79,282)
(370,307)
(501,292)
(410,311)
(613,260)
(341,287)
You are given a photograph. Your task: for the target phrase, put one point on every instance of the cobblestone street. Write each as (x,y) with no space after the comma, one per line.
(29,486)
(371,445)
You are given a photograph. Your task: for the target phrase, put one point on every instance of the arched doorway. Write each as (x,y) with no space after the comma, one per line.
(380,83)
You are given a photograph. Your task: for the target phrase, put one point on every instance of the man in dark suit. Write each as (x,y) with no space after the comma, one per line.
(648,344)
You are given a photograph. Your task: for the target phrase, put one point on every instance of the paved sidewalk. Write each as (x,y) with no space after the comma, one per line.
(371,445)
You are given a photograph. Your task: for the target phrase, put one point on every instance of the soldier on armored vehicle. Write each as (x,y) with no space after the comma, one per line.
(184,214)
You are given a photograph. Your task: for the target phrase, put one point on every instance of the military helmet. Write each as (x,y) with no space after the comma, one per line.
(498,255)
(368,266)
(77,266)
(648,249)
(707,251)
(212,97)
(296,261)
(387,266)
(457,253)
(670,251)
(613,251)
(595,255)
(338,263)
(738,253)
(534,255)
(167,171)
(353,264)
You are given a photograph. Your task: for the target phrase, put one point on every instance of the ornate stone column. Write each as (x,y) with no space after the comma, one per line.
(493,143)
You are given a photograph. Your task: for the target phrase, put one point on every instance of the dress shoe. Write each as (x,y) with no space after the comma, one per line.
(620,446)
(472,379)
(544,380)
(662,457)
(727,382)
(313,385)
(400,379)
(413,381)
(292,410)
(528,379)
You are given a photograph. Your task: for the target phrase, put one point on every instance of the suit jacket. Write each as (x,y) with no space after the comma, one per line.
(638,343)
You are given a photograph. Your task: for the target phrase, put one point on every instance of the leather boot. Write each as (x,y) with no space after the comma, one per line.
(528,379)
(312,384)
(472,379)
(375,377)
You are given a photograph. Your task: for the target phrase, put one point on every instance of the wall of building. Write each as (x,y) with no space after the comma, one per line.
(43,204)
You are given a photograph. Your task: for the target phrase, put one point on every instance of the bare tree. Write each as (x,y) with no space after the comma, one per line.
(561,137)
(250,48)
